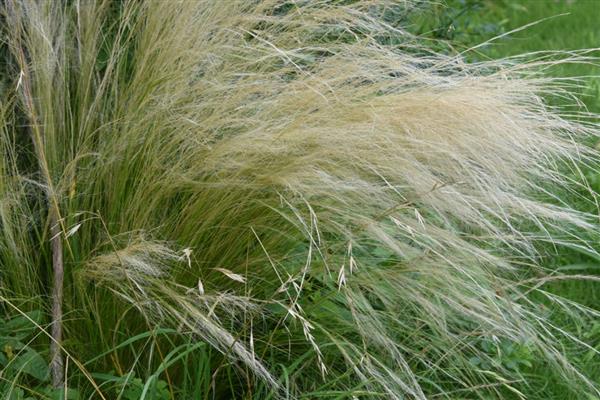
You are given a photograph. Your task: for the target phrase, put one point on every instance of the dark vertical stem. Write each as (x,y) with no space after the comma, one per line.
(54,219)
(56,363)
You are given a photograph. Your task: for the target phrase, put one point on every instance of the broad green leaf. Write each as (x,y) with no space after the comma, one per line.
(22,322)
(30,362)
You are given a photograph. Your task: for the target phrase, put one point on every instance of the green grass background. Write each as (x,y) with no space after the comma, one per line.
(555,25)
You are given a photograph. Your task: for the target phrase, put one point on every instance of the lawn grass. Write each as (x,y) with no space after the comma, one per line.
(556,25)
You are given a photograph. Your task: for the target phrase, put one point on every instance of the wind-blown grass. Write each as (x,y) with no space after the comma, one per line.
(278,181)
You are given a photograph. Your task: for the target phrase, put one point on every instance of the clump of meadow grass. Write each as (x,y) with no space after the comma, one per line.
(278,180)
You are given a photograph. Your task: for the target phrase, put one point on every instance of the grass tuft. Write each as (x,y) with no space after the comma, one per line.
(311,201)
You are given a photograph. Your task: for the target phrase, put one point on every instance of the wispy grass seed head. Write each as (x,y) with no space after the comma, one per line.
(286,144)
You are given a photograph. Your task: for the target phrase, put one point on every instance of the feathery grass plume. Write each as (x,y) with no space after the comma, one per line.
(295,183)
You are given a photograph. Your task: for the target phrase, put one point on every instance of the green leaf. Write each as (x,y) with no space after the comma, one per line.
(16,394)
(30,362)
(512,364)
(527,363)
(59,394)
(22,322)
(475,361)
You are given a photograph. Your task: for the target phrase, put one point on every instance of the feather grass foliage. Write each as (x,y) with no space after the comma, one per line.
(293,183)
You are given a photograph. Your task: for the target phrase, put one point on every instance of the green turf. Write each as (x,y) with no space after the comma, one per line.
(511,28)
(554,25)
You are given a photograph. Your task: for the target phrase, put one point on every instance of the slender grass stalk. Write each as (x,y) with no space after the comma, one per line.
(37,137)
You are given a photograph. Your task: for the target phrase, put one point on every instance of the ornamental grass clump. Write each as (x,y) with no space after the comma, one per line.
(302,188)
